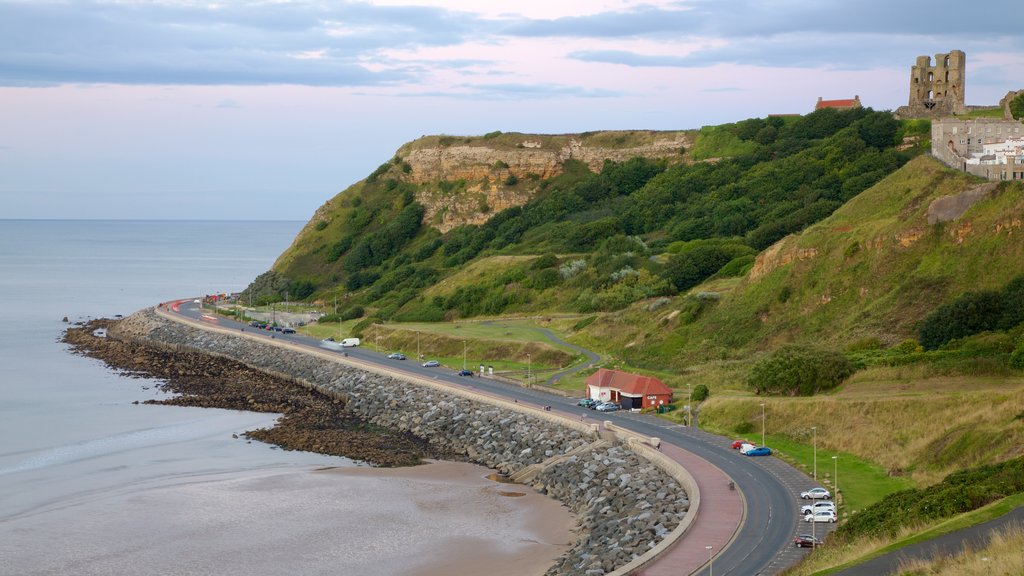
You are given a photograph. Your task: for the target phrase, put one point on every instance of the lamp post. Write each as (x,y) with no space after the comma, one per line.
(835,477)
(814,429)
(529,370)
(762,424)
(463,354)
(711,561)
(689,406)
(418,355)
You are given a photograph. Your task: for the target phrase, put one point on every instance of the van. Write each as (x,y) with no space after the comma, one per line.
(350,342)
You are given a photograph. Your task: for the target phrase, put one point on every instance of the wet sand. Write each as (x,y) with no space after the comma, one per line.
(437,519)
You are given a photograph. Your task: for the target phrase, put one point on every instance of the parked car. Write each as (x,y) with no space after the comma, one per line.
(806,541)
(820,516)
(587,402)
(396,356)
(254,323)
(431,364)
(465,373)
(759,451)
(607,407)
(737,443)
(288,331)
(820,505)
(746,447)
(818,493)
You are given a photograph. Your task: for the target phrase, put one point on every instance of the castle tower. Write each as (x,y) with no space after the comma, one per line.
(938,90)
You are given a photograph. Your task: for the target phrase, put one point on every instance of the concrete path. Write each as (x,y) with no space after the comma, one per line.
(948,544)
(592,358)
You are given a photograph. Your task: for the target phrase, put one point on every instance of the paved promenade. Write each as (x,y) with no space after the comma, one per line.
(721,512)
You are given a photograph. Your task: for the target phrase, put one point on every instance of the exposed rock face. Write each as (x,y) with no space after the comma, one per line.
(486,164)
(778,255)
(625,505)
(951,207)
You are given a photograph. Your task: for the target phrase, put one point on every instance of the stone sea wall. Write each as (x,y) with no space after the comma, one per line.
(624,504)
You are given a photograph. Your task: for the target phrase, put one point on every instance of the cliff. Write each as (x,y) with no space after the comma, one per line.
(481,176)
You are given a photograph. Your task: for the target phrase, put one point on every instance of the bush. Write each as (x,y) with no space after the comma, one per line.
(700,393)
(798,371)
(351,313)
(1017,357)
(744,427)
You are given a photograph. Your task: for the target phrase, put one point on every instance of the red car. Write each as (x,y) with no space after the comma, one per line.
(737,443)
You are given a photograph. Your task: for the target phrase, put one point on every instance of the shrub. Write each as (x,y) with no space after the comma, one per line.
(700,393)
(548,260)
(864,344)
(321,225)
(351,313)
(799,371)
(1017,358)
(909,346)
(744,427)
(512,180)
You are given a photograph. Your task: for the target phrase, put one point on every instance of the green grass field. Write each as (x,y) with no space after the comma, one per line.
(861,483)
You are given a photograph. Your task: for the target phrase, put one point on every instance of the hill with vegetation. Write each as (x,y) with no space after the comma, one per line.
(611,218)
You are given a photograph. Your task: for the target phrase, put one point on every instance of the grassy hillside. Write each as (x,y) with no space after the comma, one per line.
(870,271)
(632,229)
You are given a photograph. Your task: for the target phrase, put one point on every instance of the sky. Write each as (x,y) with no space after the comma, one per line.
(264,110)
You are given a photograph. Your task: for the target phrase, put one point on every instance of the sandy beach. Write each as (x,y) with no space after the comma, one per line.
(437,519)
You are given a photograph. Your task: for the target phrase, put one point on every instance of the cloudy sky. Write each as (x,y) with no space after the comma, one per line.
(224,109)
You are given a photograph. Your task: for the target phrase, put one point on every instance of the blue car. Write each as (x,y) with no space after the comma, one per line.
(760,451)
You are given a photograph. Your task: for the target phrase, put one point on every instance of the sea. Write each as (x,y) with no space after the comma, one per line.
(92,481)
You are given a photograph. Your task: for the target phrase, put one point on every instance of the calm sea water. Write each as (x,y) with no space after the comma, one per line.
(92,483)
(68,424)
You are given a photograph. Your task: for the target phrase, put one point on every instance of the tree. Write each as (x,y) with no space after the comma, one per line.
(1017,107)
(799,371)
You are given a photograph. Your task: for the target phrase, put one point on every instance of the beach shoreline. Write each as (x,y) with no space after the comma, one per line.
(463,521)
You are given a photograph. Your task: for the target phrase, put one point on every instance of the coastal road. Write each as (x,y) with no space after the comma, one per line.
(770,488)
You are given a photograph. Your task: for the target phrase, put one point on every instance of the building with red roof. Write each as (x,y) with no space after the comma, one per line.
(845,104)
(627,390)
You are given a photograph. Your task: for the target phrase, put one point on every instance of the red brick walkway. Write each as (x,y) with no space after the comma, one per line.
(719,517)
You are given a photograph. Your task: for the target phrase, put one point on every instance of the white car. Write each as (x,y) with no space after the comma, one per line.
(818,493)
(820,516)
(827,505)
(746,447)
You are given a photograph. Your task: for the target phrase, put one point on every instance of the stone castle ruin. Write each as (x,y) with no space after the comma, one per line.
(937,90)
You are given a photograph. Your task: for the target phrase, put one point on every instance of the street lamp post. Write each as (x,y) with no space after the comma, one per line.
(463,354)
(711,561)
(689,406)
(814,429)
(529,370)
(418,355)
(835,476)
(762,424)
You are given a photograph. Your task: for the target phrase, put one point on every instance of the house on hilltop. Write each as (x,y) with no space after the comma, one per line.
(628,390)
(844,104)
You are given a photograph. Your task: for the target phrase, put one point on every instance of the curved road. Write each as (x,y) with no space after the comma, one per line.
(770,488)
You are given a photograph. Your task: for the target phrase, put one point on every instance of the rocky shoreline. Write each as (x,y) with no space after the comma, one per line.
(625,504)
(310,421)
